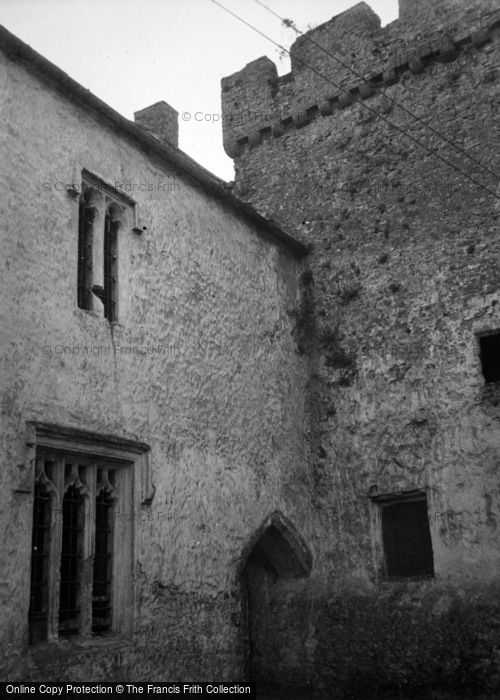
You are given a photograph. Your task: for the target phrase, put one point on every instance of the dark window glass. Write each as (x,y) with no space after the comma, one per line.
(110,267)
(39,565)
(407,539)
(101,588)
(490,357)
(85,231)
(71,556)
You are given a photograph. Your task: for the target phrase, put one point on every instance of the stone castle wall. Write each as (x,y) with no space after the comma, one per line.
(403,278)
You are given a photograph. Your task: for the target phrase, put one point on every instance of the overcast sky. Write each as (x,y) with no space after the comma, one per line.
(132,53)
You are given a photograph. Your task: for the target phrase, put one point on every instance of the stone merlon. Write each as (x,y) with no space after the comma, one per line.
(339,34)
(161,120)
(254,85)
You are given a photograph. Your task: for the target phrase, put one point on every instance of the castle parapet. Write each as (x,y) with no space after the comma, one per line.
(347,59)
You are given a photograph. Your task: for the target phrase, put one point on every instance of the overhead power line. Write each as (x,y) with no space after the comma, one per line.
(379,115)
(289,23)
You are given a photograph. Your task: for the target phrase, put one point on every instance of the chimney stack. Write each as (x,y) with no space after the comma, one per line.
(160,120)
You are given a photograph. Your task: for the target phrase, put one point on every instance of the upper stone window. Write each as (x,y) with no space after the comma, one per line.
(103,213)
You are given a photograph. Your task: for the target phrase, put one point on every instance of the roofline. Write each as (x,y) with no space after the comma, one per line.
(17,50)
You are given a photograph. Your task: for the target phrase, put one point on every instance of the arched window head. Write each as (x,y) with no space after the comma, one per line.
(115,211)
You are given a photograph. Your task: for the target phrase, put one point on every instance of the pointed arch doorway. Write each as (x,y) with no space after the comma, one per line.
(274,559)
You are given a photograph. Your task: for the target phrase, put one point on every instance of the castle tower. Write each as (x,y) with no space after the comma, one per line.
(380,150)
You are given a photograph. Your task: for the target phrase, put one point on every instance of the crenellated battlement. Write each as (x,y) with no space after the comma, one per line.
(257,105)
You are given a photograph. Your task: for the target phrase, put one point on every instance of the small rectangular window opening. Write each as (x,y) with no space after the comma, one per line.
(489,347)
(406,538)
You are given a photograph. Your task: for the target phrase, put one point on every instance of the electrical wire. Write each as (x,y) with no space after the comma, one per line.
(414,116)
(379,115)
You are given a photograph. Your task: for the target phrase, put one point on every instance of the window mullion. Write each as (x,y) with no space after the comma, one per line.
(88,552)
(55,553)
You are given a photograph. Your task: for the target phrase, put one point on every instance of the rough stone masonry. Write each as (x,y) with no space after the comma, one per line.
(280,462)
(380,149)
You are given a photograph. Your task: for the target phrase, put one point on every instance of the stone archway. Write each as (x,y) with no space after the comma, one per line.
(272,562)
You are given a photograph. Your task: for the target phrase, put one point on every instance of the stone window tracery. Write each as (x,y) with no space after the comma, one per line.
(74,537)
(89,491)
(103,213)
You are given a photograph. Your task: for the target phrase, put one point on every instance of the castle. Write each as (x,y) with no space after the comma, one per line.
(251,430)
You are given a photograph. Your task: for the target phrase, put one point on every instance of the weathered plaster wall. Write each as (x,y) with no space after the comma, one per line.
(404,273)
(223,409)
